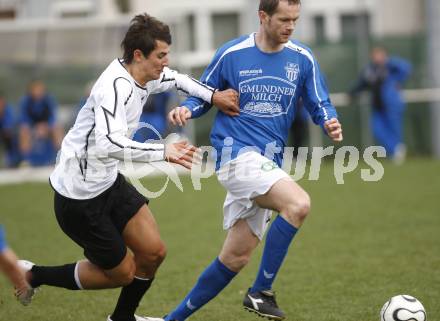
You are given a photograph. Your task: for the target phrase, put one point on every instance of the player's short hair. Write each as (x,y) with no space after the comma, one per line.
(270,6)
(142,34)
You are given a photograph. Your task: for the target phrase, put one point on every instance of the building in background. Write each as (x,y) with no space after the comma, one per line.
(44,9)
(199,26)
(65,42)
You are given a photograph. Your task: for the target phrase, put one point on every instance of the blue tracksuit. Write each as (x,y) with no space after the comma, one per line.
(269,85)
(384,84)
(3,244)
(8,137)
(33,112)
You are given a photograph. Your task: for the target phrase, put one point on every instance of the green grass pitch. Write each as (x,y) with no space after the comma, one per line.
(363,243)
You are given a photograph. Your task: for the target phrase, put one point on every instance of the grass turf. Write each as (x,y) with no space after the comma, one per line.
(363,243)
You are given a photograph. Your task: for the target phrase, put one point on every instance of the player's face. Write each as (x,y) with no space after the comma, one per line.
(280,26)
(379,56)
(37,90)
(152,66)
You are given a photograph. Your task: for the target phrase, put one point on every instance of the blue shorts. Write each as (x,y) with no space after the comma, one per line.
(2,239)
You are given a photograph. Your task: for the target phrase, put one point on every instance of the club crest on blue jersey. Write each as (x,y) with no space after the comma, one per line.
(292,71)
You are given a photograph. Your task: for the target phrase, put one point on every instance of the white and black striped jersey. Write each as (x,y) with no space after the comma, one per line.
(100,137)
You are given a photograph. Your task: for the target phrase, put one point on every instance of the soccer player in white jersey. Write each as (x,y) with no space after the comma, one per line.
(94,204)
(271,73)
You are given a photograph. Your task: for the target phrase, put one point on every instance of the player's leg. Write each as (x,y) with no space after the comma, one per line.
(25,141)
(381,132)
(82,275)
(9,266)
(235,254)
(141,235)
(395,137)
(108,263)
(89,224)
(293,204)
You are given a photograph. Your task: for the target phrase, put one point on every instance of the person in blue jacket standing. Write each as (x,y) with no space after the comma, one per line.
(383,78)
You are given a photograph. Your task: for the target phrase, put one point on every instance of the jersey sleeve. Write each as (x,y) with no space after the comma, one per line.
(399,68)
(112,128)
(3,245)
(183,83)
(8,121)
(24,118)
(212,76)
(52,105)
(316,96)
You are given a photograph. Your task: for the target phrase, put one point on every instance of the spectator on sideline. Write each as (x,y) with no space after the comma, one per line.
(40,135)
(7,133)
(383,78)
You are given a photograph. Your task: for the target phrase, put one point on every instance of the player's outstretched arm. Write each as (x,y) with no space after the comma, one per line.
(181,153)
(227,102)
(334,129)
(179,115)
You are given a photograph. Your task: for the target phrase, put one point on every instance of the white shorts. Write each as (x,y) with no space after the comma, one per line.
(246,177)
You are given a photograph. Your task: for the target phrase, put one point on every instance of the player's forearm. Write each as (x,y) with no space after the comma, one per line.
(124,149)
(197,107)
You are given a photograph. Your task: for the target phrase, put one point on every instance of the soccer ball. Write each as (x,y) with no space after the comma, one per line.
(403,308)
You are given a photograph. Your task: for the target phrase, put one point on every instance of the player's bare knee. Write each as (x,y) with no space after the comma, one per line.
(153,257)
(159,254)
(235,262)
(298,209)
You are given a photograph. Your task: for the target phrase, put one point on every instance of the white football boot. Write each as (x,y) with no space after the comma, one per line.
(25,295)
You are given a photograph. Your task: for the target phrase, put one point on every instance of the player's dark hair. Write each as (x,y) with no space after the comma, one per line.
(270,6)
(142,34)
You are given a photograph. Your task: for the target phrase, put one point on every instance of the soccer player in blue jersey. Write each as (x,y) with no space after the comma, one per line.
(271,73)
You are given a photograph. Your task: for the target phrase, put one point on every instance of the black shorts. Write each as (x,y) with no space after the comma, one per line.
(96,224)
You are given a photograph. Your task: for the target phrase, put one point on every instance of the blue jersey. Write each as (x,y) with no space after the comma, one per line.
(3,245)
(269,85)
(384,83)
(7,118)
(35,111)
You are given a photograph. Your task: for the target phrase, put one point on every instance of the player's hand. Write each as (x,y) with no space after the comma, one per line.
(227,102)
(181,153)
(179,116)
(334,129)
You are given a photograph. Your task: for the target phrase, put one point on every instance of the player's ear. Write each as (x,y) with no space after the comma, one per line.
(263,16)
(138,55)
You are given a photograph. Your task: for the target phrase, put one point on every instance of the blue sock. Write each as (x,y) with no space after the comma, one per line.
(214,279)
(278,239)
